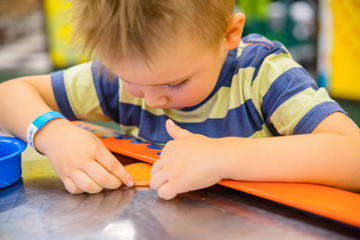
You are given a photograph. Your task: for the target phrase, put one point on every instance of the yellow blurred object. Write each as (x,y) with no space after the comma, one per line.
(346,53)
(339,47)
(63,52)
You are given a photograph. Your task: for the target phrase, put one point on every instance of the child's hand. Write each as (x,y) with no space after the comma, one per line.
(188,162)
(80,159)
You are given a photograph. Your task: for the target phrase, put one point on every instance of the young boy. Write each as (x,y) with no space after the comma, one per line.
(170,69)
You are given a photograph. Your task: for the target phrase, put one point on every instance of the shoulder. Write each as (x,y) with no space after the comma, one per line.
(86,71)
(259,62)
(254,49)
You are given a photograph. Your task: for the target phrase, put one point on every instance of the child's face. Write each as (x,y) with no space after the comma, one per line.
(182,77)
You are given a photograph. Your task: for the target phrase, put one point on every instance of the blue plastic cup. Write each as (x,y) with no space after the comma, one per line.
(10,160)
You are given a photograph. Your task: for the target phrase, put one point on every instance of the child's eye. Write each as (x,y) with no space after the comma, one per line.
(128,83)
(178,86)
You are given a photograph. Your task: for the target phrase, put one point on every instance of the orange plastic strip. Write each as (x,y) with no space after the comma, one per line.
(329,202)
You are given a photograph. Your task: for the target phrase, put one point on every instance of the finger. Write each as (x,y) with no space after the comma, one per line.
(167,191)
(102,177)
(111,200)
(71,187)
(111,164)
(175,131)
(158,179)
(156,167)
(126,197)
(85,183)
(93,200)
(116,200)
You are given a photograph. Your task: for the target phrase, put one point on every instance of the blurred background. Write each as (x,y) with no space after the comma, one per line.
(322,35)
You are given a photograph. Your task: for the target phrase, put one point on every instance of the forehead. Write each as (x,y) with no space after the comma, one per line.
(171,65)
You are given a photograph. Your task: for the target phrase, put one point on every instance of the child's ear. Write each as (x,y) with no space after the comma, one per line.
(234,31)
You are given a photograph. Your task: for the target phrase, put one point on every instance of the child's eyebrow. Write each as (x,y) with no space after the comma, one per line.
(124,80)
(174,82)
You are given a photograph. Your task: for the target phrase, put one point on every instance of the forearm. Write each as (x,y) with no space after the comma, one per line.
(80,158)
(322,158)
(20,104)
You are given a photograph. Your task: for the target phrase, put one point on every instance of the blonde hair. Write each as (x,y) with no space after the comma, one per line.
(141,29)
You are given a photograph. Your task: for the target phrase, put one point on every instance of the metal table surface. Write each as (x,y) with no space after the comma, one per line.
(39,207)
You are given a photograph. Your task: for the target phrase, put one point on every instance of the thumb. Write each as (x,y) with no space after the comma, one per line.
(175,131)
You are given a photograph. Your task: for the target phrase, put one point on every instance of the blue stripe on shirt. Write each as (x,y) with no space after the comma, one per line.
(287,85)
(315,116)
(57,81)
(107,90)
(242,121)
(254,55)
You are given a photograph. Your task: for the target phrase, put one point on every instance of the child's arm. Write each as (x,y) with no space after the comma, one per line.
(79,158)
(330,155)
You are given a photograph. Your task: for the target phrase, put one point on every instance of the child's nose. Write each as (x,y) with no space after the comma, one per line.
(155,99)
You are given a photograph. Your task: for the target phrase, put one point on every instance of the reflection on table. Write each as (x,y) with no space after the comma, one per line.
(39,207)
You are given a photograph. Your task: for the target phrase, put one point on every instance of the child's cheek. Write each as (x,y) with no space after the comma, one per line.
(135,91)
(189,98)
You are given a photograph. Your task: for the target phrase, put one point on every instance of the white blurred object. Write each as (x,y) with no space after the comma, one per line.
(23,42)
(304,18)
(302,12)
(277,14)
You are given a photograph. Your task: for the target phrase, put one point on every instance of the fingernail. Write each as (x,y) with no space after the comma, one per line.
(130,183)
(171,122)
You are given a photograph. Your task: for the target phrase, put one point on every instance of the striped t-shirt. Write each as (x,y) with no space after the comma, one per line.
(261,92)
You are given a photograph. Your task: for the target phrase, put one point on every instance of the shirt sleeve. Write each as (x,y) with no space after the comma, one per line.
(287,97)
(86,92)
(294,104)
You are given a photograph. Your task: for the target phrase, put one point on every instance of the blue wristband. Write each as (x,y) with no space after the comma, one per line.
(38,123)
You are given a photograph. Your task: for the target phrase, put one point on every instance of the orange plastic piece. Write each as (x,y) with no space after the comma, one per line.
(329,202)
(127,148)
(140,173)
